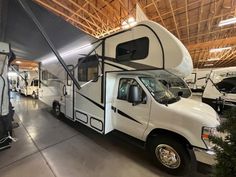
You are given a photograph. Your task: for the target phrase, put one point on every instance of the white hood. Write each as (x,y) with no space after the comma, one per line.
(201,111)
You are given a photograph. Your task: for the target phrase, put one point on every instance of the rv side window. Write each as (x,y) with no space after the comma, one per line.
(47,75)
(36,83)
(88,69)
(227,85)
(133,50)
(123,89)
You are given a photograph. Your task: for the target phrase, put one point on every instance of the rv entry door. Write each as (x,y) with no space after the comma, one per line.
(68,91)
(131,110)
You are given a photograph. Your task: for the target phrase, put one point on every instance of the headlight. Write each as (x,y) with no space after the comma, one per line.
(206,132)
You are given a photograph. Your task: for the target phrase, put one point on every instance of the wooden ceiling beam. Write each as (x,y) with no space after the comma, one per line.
(187,18)
(174,19)
(86,11)
(100,12)
(182,8)
(158,12)
(74,12)
(202,21)
(210,44)
(85,29)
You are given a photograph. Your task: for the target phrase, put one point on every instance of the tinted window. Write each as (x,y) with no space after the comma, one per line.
(124,85)
(36,83)
(88,69)
(46,75)
(133,50)
(227,85)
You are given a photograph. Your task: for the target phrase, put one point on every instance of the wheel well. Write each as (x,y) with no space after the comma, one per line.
(168,133)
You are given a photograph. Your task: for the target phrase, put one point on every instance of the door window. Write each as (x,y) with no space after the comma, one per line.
(123,89)
(36,83)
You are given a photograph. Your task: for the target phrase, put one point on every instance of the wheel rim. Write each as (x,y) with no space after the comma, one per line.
(57,110)
(167,156)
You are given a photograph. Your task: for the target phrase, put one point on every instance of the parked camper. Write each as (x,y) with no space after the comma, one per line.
(197,79)
(6,112)
(220,91)
(121,88)
(30,88)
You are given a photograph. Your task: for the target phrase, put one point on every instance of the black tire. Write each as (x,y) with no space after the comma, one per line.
(34,95)
(179,155)
(56,110)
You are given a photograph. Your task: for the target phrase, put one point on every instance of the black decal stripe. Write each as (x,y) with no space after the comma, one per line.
(100,106)
(129,64)
(127,116)
(116,66)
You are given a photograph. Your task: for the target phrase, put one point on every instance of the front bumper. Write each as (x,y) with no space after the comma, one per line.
(205,156)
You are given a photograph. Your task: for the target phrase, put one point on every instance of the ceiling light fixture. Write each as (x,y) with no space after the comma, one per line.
(227,21)
(210,64)
(128,23)
(219,49)
(18,62)
(213,59)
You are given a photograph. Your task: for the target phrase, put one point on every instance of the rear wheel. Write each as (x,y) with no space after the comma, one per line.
(169,155)
(56,109)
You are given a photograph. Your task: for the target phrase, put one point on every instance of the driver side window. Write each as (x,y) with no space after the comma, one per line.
(124,86)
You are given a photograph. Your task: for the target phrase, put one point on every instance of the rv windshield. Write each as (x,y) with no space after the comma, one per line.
(159,91)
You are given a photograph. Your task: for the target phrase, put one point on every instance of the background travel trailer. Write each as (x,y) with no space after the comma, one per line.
(28,83)
(220,91)
(197,79)
(6,111)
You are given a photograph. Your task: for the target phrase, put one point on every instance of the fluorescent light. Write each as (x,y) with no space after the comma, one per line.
(128,23)
(74,51)
(227,21)
(12,74)
(131,20)
(213,59)
(18,62)
(220,49)
(210,64)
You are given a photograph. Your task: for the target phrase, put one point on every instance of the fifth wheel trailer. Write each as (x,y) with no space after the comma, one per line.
(121,89)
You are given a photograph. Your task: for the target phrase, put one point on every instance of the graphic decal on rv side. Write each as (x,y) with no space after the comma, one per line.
(127,116)
(100,106)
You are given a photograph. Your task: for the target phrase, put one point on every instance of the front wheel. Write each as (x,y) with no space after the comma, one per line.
(34,95)
(169,155)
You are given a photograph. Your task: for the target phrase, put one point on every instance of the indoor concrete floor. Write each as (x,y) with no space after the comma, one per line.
(50,147)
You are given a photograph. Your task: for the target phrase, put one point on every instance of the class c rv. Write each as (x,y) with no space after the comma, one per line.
(220,91)
(124,85)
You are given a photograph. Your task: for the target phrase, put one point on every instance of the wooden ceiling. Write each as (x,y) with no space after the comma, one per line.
(25,64)
(194,22)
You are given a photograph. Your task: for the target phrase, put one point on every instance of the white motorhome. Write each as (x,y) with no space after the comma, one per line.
(121,88)
(220,91)
(30,88)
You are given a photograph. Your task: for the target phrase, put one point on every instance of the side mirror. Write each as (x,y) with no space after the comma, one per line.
(134,96)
